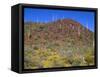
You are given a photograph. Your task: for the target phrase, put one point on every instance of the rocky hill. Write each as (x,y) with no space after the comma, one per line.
(66,38)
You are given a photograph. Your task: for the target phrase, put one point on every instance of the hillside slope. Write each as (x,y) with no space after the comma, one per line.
(62,43)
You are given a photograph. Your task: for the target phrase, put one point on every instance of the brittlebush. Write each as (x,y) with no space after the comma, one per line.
(45,59)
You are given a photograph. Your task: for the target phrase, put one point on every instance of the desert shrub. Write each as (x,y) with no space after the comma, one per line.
(76,61)
(50,57)
(55,60)
(89,57)
(44,59)
(27,59)
(36,48)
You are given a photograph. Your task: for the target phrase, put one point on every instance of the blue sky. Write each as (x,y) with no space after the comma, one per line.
(49,15)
